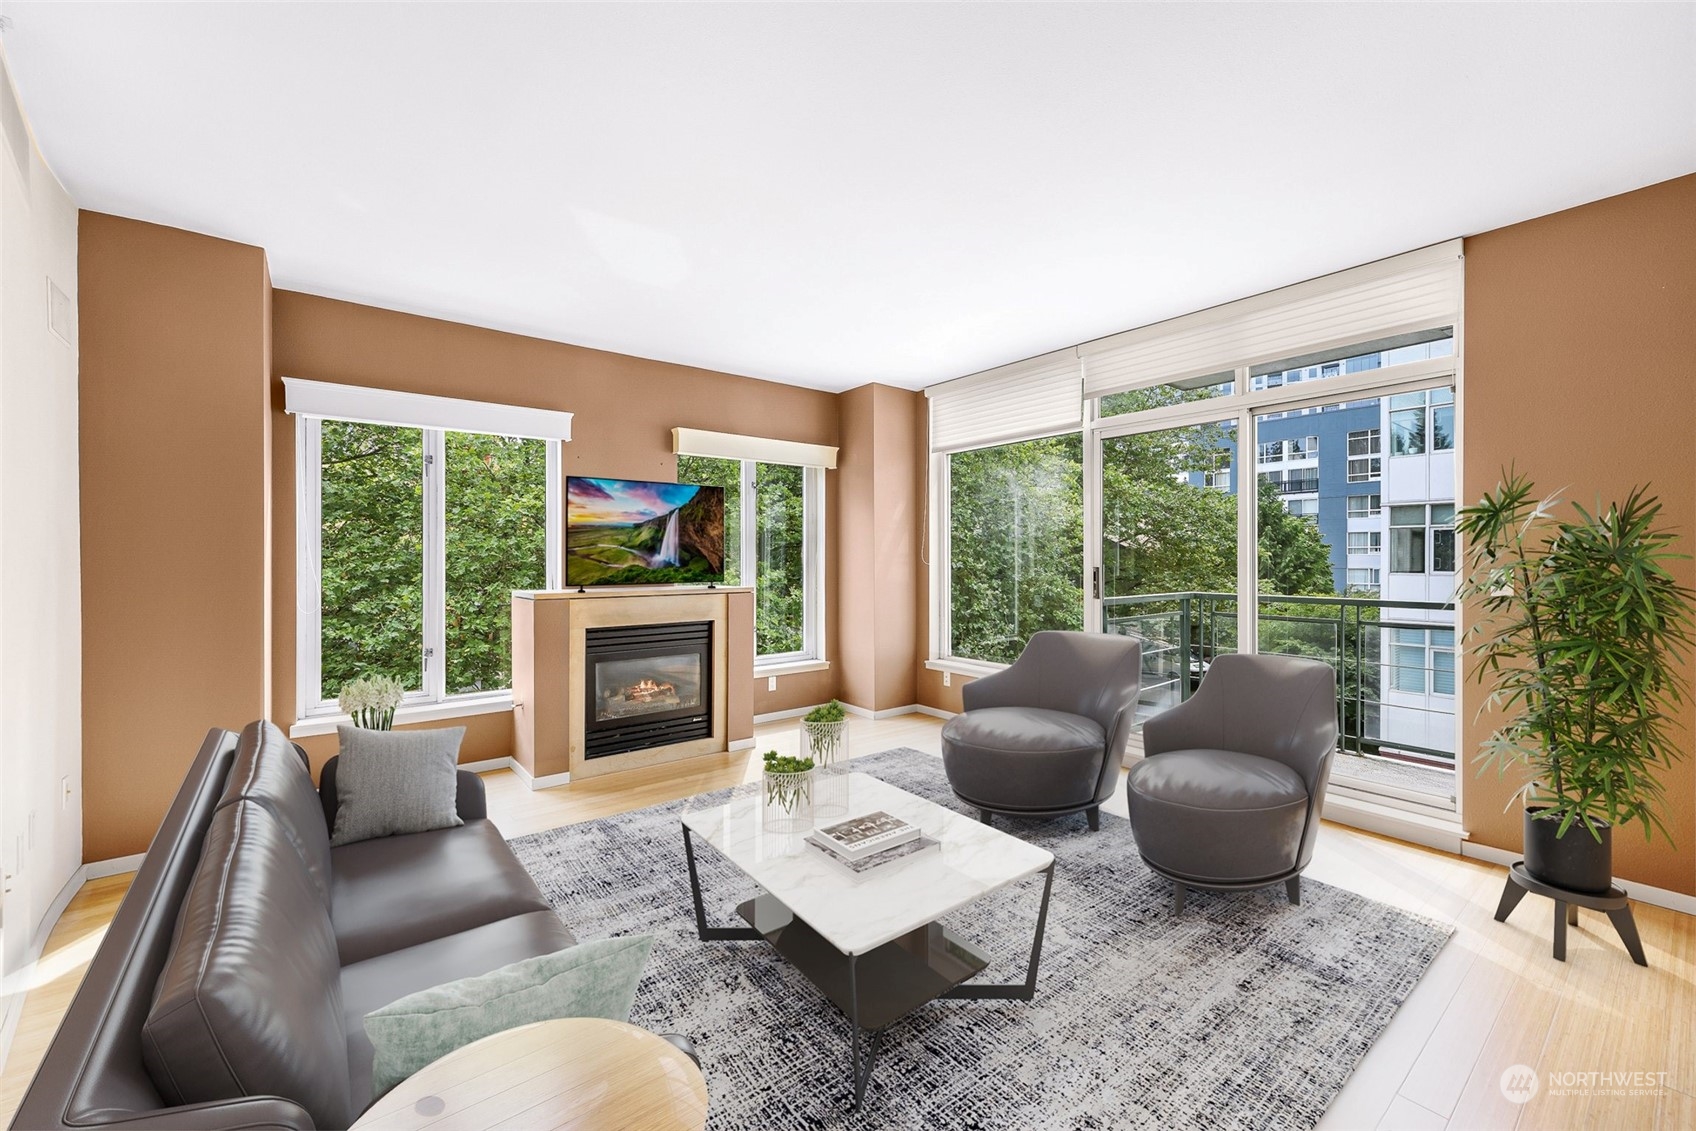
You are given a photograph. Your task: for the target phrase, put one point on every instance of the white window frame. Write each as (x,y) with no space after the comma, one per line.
(317,715)
(811,654)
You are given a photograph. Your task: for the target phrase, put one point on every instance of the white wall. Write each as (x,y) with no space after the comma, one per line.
(40,601)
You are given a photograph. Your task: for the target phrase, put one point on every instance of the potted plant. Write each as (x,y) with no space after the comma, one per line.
(370,701)
(1581,626)
(824,734)
(788,790)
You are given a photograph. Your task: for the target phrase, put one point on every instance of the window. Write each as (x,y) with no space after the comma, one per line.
(1416,416)
(1362,580)
(1365,462)
(1014,545)
(1442,420)
(1407,539)
(774,545)
(1304,447)
(1365,506)
(1443,661)
(412,540)
(1306,508)
(1442,538)
(1365,541)
(1272,451)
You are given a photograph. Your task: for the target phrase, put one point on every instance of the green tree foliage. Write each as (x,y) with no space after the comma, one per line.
(1294,557)
(372,554)
(1016,538)
(779,544)
(497,541)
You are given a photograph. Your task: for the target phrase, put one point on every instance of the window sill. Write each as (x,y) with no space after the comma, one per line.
(789,667)
(419,713)
(977,669)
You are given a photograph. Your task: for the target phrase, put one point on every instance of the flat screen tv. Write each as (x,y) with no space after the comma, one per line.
(633,532)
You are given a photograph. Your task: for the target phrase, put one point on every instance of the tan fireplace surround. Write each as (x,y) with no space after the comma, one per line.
(548,634)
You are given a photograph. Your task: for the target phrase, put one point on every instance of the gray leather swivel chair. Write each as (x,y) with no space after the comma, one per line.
(1228,792)
(1047,735)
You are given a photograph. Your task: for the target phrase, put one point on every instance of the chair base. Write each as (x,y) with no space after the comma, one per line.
(1090,809)
(1181,885)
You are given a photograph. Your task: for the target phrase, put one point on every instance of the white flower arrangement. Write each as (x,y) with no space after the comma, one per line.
(371,701)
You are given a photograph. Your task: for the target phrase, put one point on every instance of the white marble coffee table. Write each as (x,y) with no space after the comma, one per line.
(870,942)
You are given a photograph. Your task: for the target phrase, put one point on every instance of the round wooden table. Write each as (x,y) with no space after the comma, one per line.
(576,1074)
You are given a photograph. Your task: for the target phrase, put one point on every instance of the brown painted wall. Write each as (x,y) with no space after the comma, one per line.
(624,409)
(878,546)
(1578,371)
(174,343)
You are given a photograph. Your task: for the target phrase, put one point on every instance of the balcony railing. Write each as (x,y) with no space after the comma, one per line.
(1389,708)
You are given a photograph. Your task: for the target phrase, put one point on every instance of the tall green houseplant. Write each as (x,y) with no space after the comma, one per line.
(1581,629)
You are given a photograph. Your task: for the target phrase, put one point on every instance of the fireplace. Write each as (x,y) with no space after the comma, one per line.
(646,685)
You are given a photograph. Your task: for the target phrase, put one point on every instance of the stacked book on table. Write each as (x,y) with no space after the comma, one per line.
(861,843)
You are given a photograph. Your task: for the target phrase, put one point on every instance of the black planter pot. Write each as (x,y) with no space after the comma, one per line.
(1575,861)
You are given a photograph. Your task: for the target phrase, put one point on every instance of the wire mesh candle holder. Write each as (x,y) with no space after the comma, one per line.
(788,801)
(826,743)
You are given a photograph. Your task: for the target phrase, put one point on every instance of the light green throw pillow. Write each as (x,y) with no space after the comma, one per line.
(592,979)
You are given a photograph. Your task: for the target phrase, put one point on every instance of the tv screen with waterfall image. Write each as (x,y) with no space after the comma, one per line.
(632,532)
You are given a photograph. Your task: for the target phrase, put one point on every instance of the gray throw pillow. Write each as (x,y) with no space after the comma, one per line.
(396,781)
(592,979)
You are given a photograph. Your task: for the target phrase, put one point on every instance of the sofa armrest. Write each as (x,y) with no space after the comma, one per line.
(254,1113)
(471,802)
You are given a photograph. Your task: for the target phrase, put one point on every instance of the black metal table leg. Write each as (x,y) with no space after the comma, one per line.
(1560,930)
(704,932)
(1017,991)
(862,1073)
(1512,893)
(1623,922)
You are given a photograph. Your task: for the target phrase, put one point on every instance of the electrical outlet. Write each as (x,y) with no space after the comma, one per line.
(771,683)
(948,679)
(65,792)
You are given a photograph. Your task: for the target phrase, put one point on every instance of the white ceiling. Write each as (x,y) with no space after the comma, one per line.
(833,194)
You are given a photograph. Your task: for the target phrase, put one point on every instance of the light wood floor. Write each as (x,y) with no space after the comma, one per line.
(1492,999)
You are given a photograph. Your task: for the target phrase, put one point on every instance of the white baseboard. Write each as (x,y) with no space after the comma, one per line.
(486,765)
(779,716)
(933,712)
(118,865)
(1398,824)
(741,744)
(1642,893)
(546,781)
(16,987)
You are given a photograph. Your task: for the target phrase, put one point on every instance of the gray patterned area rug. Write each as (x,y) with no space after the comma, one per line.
(1244,1013)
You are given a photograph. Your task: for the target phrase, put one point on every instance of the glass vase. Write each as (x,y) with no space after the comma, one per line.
(788,801)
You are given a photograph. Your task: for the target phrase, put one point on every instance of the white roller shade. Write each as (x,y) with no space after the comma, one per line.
(418,410)
(1416,291)
(1039,397)
(728,445)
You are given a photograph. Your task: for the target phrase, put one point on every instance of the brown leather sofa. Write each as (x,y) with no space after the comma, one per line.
(266,948)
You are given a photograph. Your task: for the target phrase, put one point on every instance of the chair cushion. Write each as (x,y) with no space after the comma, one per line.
(592,979)
(399,891)
(1217,779)
(395,782)
(1217,816)
(1023,758)
(249,1002)
(376,982)
(268,770)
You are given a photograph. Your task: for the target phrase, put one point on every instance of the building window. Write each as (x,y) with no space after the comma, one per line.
(1365,541)
(1414,417)
(1442,538)
(412,540)
(1272,451)
(1407,660)
(1407,539)
(1362,580)
(1304,447)
(1306,508)
(774,542)
(1443,661)
(1365,456)
(1014,553)
(1365,506)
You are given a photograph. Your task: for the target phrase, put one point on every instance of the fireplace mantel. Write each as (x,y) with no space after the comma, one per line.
(549,629)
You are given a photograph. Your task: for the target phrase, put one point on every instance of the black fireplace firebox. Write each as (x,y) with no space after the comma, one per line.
(646,685)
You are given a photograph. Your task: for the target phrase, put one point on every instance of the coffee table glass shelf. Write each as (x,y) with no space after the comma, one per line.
(871,942)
